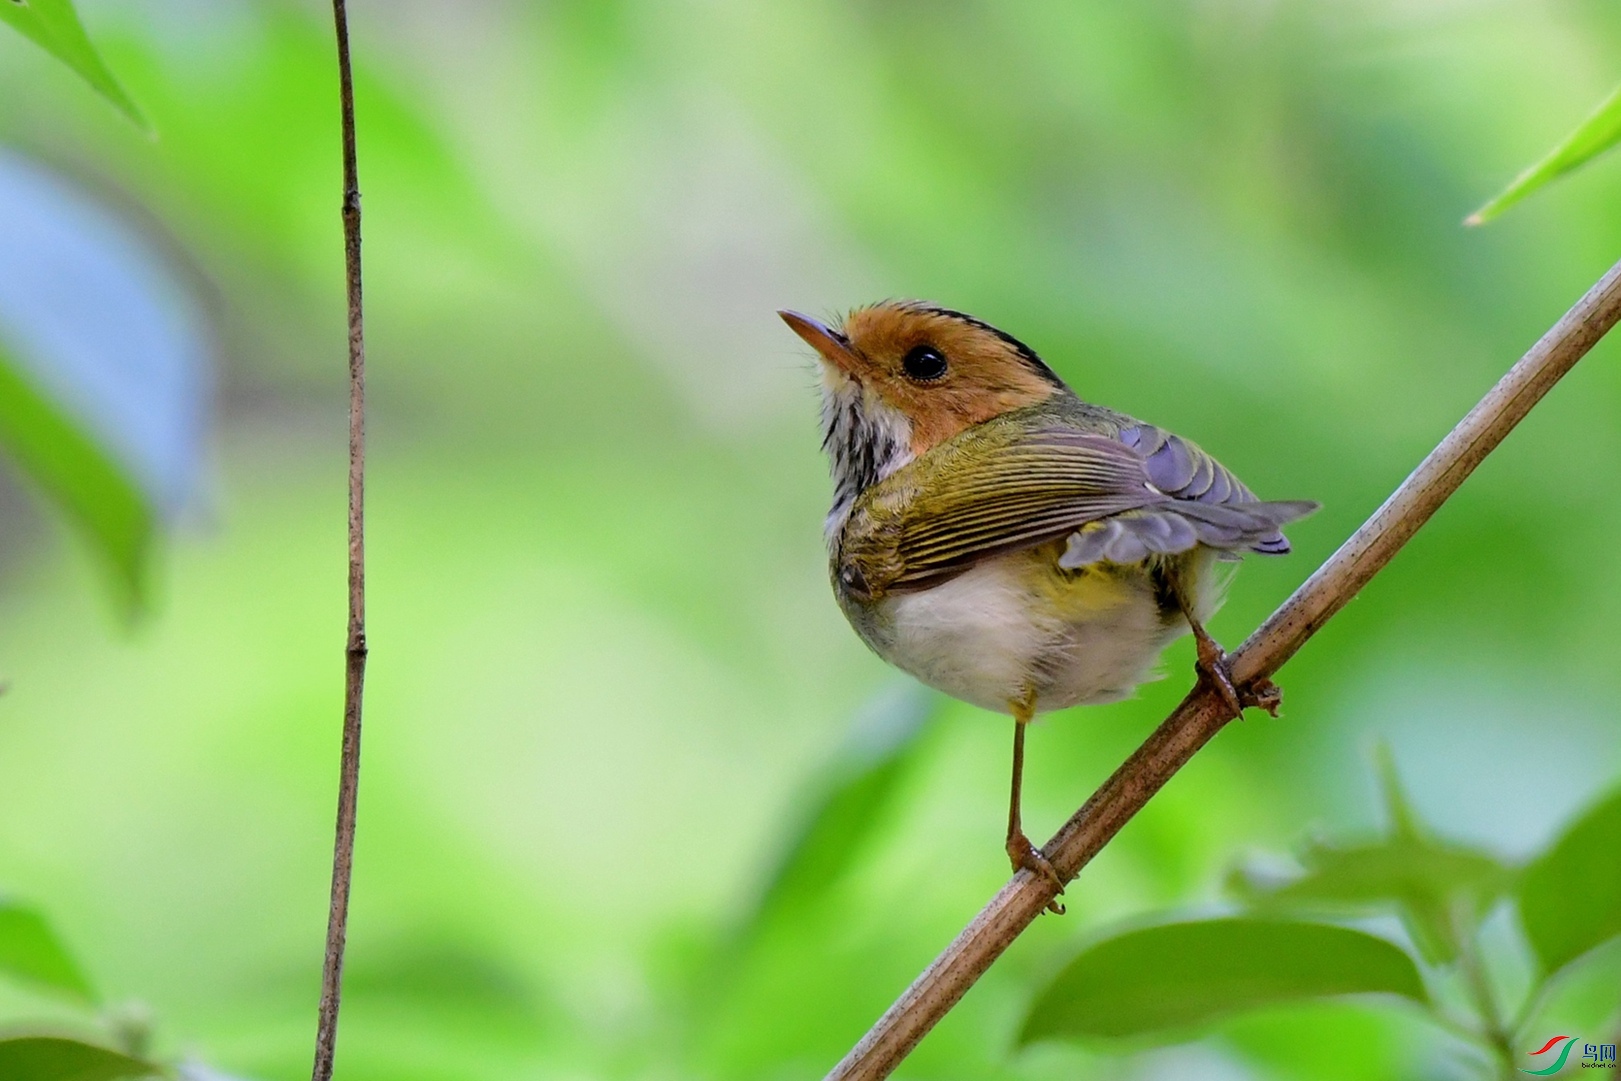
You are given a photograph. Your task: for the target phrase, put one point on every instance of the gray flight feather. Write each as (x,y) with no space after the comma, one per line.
(1178,525)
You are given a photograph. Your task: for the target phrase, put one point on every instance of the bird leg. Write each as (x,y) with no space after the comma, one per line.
(1021,852)
(1213,667)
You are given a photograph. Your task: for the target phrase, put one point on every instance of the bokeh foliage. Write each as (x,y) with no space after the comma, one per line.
(605,665)
(54,26)
(1172,979)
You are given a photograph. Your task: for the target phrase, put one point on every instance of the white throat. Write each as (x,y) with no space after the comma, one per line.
(865,440)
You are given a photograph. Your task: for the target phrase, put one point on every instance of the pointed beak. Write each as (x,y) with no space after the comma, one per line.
(833,346)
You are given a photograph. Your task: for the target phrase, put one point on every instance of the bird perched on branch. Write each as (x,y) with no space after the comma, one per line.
(1008,543)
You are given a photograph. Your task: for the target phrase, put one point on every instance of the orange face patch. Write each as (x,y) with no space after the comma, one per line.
(984,372)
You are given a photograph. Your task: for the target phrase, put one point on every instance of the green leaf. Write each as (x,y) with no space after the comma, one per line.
(849,801)
(1439,890)
(56,1058)
(1368,876)
(30,952)
(1592,137)
(55,27)
(1570,896)
(1403,817)
(74,470)
(1430,885)
(1172,980)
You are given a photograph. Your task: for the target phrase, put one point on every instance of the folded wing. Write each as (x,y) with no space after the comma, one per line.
(1003,486)
(1181,469)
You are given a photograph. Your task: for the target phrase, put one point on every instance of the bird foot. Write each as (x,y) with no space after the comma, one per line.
(1214,667)
(1027,857)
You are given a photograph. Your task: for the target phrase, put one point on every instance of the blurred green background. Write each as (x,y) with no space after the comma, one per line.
(606,669)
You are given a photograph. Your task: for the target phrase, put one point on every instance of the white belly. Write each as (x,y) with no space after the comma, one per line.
(1013,626)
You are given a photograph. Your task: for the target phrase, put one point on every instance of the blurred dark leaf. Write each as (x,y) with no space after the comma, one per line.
(1433,886)
(1168,981)
(30,952)
(79,475)
(1570,896)
(1592,137)
(849,801)
(55,27)
(56,1058)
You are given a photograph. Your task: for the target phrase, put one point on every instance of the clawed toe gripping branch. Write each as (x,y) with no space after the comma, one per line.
(1248,669)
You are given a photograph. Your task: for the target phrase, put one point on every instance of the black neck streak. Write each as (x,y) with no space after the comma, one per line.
(864,444)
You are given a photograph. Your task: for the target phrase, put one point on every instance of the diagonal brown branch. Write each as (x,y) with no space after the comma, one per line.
(343,854)
(1201,715)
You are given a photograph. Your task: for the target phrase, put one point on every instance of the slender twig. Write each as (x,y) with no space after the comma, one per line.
(343,854)
(1494,1038)
(1201,714)
(1530,1005)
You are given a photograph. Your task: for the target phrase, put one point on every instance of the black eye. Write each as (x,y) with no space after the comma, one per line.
(924,363)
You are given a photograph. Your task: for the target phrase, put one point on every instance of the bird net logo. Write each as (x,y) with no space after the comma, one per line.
(1550,1058)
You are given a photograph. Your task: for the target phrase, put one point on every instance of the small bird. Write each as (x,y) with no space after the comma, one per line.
(1006,542)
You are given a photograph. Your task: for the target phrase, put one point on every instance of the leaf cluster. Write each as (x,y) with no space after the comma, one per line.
(33,957)
(1288,945)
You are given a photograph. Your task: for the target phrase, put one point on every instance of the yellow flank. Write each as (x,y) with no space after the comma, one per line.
(1073,595)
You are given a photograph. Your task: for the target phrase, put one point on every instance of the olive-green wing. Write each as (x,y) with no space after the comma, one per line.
(991,490)
(1004,486)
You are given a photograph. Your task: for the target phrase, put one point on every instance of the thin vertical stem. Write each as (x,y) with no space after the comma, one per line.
(1494,1034)
(326,1034)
